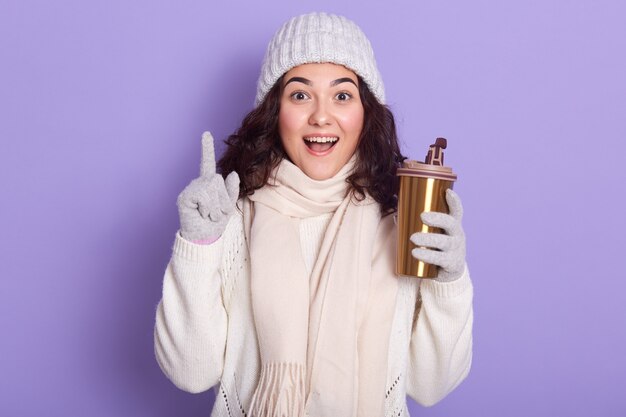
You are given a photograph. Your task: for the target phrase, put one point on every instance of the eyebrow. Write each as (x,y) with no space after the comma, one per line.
(300,80)
(342,80)
(332,84)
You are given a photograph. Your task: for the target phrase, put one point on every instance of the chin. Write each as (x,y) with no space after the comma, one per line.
(320,174)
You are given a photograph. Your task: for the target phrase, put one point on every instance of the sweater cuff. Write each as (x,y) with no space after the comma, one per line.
(197,252)
(448,289)
(206,241)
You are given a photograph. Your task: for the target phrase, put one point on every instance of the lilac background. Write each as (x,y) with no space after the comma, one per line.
(102,107)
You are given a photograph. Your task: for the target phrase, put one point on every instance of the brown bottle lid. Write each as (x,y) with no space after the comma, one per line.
(435,152)
(433,165)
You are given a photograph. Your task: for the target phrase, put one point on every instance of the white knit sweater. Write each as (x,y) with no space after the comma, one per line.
(205,335)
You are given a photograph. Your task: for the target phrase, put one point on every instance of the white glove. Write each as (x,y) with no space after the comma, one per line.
(205,205)
(450,256)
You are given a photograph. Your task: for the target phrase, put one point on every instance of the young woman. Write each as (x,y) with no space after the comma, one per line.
(281,288)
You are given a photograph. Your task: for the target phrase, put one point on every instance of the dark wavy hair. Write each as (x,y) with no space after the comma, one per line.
(255,149)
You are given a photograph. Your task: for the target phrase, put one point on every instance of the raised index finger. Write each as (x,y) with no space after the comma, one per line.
(207,165)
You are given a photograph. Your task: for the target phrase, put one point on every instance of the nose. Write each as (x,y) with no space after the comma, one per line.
(320,114)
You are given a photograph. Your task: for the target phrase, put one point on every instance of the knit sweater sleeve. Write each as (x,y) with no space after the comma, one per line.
(440,352)
(191,319)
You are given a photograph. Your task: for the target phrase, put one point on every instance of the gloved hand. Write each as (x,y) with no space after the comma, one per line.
(205,205)
(451,254)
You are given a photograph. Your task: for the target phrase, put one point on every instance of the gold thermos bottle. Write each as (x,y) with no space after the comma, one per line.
(423,187)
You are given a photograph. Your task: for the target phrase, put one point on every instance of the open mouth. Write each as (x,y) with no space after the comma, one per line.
(321,144)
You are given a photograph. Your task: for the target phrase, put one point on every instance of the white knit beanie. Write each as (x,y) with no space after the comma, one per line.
(317,38)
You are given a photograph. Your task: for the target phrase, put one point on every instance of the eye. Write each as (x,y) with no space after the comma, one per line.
(298,96)
(343,96)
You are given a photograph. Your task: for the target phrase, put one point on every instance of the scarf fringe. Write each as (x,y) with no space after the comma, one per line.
(280,391)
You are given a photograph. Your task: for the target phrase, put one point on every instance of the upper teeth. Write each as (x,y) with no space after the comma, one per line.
(322,139)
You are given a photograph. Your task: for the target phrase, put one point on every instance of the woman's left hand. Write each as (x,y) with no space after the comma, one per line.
(450,256)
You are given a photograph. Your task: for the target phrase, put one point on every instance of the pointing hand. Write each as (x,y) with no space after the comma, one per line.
(205,205)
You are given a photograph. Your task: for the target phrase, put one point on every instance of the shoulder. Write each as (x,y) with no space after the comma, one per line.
(388,223)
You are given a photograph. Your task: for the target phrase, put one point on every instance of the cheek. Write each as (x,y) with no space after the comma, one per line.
(353,124)
(288,130)
(289,123)
(282,122)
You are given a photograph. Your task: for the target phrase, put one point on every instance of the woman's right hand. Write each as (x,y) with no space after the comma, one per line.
(206,204)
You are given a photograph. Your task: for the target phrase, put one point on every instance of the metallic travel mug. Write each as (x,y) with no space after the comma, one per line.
(423,187)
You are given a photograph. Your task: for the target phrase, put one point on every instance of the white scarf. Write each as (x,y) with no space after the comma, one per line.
(323,340)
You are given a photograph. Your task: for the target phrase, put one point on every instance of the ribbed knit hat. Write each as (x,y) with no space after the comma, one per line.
(318,38)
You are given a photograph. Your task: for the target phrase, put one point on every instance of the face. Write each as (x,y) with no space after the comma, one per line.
(320,118)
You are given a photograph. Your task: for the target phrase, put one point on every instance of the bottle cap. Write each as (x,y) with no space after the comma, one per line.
(433,165)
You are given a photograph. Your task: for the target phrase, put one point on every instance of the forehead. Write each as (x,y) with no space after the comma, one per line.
(321,72)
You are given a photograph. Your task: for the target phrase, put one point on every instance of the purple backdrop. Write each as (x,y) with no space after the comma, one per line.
(102,107)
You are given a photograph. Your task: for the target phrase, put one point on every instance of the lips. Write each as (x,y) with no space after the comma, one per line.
(320,145)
